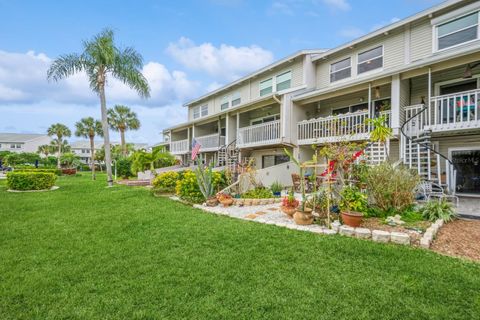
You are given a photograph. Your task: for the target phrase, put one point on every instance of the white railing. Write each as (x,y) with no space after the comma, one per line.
(260,134)
(211,141)
(353,126)
(416,125)
(455,111)
(179,147)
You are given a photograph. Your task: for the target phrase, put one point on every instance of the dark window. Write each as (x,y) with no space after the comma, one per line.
(273,160)
(459,87)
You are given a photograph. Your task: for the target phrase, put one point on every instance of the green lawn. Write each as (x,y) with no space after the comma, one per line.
(89,252)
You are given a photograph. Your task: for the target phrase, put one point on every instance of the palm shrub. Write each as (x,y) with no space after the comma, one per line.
(438,209)
(391,188)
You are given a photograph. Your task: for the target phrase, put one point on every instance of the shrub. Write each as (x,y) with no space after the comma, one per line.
(57,172)
(258,193)
(124,168)
(390,188)
(438,209)
(30,180)
(187,186)
(276,187)
(166,182)
(353,200)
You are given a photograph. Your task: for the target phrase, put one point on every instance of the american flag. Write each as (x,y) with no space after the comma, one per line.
(195,148)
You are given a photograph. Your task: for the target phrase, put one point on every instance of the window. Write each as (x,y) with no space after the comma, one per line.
(265,119)
(196,112)
(340,70)
(225,103)
(336,112)
(266,87)
(458,31)
(200,111)
(370,60)
(284,81)
(236,99)
(273,160)
(15,146)
(204,110)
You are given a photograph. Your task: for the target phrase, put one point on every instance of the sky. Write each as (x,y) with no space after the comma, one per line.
(189,47)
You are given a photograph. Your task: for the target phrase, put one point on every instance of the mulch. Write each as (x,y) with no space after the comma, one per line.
(459,238)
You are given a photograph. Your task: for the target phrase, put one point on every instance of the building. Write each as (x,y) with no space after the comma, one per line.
(422,73)
(20,142)
(82,148)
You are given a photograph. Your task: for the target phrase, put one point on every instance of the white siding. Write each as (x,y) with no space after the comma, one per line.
(420,40)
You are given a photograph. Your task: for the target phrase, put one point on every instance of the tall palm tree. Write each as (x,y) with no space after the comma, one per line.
(45,149)
(59,131)
(89,128)
(121,118)
(100,60)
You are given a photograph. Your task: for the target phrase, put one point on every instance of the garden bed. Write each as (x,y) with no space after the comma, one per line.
(415,229)
(459,238)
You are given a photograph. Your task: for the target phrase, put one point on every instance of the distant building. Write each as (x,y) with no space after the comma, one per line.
(20,142)
(82,148)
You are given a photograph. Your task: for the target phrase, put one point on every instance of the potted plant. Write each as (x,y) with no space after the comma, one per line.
(225,199)
(289,204)
(353,204)
(276,188)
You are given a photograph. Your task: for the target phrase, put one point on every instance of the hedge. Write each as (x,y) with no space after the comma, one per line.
(166,182)
(30,180)
(58,172)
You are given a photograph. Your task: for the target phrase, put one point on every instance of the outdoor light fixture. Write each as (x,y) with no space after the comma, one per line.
(467,74)
(377,92)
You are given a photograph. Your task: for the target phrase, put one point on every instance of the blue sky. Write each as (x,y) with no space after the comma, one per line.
(189,47)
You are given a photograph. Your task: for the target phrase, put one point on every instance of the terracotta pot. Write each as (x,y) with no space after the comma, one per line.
(303,217)
(289,211)
(226,202)
(352,219)
(212,202)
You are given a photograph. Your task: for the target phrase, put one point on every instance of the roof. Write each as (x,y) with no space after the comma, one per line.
(388,28)
(255,73)
(85,144)
(20,137)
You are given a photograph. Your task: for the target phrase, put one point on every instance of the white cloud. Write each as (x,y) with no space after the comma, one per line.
(338,4)
(224,62)
(351,32)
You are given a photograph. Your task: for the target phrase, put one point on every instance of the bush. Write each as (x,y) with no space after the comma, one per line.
(124,168)
(30,180)
(391,189)
(166,182)
(258,193)
(187,187)
(438,209)
(57,172)
(352,199)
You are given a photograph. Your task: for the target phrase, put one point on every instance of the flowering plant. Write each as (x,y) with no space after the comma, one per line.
(290,201)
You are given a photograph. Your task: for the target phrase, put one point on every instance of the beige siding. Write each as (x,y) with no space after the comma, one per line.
(246,117)
(394,53)
(446,143)
(420,40)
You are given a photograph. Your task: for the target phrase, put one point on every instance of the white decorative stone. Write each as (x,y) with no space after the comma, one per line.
(336,225)
(400,238)
(439,222)
(425,242)
(346,231)
(363,233)
(380,236)
(329,231)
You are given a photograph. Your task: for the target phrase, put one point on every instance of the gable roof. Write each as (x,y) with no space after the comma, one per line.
(20,137)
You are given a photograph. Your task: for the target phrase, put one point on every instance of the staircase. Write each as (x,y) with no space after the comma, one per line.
(228,156)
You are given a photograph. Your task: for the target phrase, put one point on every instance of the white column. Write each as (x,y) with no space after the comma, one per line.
(238,124)
(227,135)
(427,122)
(395,103)
(370,111)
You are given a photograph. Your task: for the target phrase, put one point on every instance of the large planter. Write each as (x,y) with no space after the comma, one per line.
(352,219)
(303,217)
(289,211)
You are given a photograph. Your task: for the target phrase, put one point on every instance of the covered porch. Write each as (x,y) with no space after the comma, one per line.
(210,135)
(259,127)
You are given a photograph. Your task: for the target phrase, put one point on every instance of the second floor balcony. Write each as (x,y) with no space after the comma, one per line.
(211,142)
(350,126)
(180,147)
(259,134)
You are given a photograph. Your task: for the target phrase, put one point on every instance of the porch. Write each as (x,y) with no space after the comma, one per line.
(180,142)
(259,127)
(210,135)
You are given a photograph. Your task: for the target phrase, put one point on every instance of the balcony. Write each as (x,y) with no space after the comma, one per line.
(258,135)
(211,142)
(454,111)
(180,147)
(351,126)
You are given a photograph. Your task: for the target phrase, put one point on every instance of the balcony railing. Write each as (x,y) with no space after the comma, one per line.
(455,111)
(260,134)
(351,126)
(180,147)
(211,141)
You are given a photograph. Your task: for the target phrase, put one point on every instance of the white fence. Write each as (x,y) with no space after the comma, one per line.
(179,147)
(260,134)
(211,141)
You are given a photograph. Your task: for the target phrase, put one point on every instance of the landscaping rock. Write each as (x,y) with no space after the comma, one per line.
(336,225)
(400,238)
(425,242)
(380,236)
(395,220)
(363,233)
(347,231)
(329,231)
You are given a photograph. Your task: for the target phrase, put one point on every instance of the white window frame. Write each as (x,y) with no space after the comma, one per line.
(196,110)
(274,82)
(340,60)
(236,96)
(264,80)
(451,16)
(261,118)
(281,74)
(226,100)
(202,109)
(438,85)
(370,49)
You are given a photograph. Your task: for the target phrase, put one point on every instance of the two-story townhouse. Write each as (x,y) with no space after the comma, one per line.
(248,118)
(20,142)
(81,148)
(423,73)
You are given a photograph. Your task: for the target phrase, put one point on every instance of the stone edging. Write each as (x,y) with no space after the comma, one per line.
(375,235)
(25,191)
(430,234)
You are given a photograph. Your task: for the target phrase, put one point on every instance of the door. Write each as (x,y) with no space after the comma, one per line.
(467,163)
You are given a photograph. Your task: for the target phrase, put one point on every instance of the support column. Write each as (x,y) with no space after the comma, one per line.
(370,111)
(428,117)
(395,103)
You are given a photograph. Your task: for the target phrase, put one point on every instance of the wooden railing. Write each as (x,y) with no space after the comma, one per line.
(455,111)
(352,126)
(179,147)
(211,141)
(260,134)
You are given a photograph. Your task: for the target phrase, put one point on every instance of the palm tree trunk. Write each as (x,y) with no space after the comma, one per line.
(92,155)
(59,153)
(106,136)
(122,141)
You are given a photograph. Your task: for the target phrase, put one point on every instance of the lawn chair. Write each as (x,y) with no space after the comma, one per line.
(296,182)
(427,190)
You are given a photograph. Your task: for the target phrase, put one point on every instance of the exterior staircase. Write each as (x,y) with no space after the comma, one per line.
(228,156)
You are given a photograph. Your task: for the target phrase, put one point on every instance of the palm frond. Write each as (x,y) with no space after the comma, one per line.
(65,66)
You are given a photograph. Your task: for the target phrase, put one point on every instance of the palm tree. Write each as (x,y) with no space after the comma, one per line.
(381,132)
(59,131)
(89,128)
(100,60)
(121,118)
(45,149)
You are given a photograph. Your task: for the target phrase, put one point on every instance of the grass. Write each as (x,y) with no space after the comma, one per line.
(89,252)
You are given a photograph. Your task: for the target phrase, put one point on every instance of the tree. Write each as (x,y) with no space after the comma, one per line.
(121,119)
(59,131)
(64,146)
(143,160)
(89,128)
(45,149)
(70,160)
(381,132)
(100,60)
